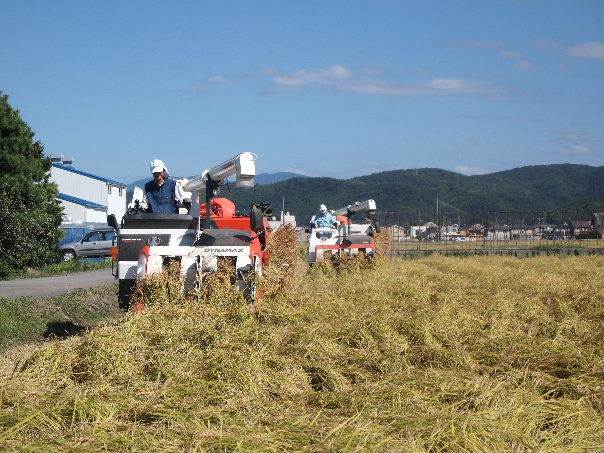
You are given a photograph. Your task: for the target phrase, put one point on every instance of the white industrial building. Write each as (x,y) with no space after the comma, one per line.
(286,219)
(86,197)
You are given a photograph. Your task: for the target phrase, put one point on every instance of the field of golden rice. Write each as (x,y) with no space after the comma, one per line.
(479,354)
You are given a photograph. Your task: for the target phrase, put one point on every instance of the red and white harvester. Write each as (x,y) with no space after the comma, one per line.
(214,231)
(345,237)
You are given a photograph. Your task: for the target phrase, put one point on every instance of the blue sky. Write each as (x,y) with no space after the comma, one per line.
(333,88)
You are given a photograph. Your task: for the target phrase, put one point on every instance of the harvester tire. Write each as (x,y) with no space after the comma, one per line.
(124,296)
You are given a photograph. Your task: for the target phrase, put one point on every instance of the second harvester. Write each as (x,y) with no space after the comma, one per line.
(345,236)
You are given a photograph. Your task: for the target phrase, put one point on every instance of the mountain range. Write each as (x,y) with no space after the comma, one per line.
(579,188)
(549,188)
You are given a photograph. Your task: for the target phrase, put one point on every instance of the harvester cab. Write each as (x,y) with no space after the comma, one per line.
(214,233)
(345,236)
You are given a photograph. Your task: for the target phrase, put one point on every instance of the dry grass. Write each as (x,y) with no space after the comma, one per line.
(158,288)
(383,242)
(286,269)
(518,244)
(484,354)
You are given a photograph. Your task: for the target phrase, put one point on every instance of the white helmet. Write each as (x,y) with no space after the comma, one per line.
(322,208)
(157,165)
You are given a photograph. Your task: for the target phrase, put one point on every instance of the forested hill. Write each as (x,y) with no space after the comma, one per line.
(540,187)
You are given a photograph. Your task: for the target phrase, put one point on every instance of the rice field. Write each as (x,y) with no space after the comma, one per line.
(480,354)
(514,244)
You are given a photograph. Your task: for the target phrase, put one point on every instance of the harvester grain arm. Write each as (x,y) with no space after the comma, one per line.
(242,166)
(368,205)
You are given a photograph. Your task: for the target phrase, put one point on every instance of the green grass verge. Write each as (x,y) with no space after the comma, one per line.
(26,320)
(64,267)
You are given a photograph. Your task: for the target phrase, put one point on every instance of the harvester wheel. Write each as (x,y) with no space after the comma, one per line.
(253,294)
(251,291)
(125,290)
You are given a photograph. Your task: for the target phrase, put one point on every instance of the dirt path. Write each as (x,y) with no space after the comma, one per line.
(55,285)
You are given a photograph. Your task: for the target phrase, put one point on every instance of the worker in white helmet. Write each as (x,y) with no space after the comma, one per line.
(324,218)
(163,194)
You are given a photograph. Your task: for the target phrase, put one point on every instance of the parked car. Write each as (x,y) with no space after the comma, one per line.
(74,232)
(94,243)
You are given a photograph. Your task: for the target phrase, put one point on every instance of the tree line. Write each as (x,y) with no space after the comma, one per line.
(29,212)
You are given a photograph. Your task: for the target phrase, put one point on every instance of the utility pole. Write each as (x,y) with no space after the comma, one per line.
(283,211)
(437,221)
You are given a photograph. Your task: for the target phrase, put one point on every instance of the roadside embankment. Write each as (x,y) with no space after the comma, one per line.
(62,268)
(30,319)
(54,285)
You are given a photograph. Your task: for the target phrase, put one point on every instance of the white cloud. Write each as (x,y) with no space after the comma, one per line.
(594,49)
(328,76)
(512,55)
(371,70)
(449,84)
(546,44)
(203,85)
(433,86)
(344,79)
(578,150)
(521,62)
(470,170)
(217,79)
(572,142)
(298,171)
(525,65)
(197,87)
(479,44)
(505,118)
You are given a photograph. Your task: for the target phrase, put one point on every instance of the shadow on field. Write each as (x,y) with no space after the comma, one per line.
(62,329)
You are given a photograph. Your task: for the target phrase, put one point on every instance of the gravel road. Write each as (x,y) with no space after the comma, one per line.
(55,285)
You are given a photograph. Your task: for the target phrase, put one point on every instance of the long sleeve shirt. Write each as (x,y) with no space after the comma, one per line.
(164,198)
(324,220)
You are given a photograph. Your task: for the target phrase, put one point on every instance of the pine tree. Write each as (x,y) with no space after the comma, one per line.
(29,212)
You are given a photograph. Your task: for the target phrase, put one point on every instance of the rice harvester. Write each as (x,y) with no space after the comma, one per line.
(344,236)
(214,232)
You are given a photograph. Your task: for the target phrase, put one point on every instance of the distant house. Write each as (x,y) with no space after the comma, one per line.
(558,232)
(286,219)
(450,232)
(397,233)
(522,232)
(86,197)
(582,228)
(499,233)
(452,228)
(419,231)
(477,229)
